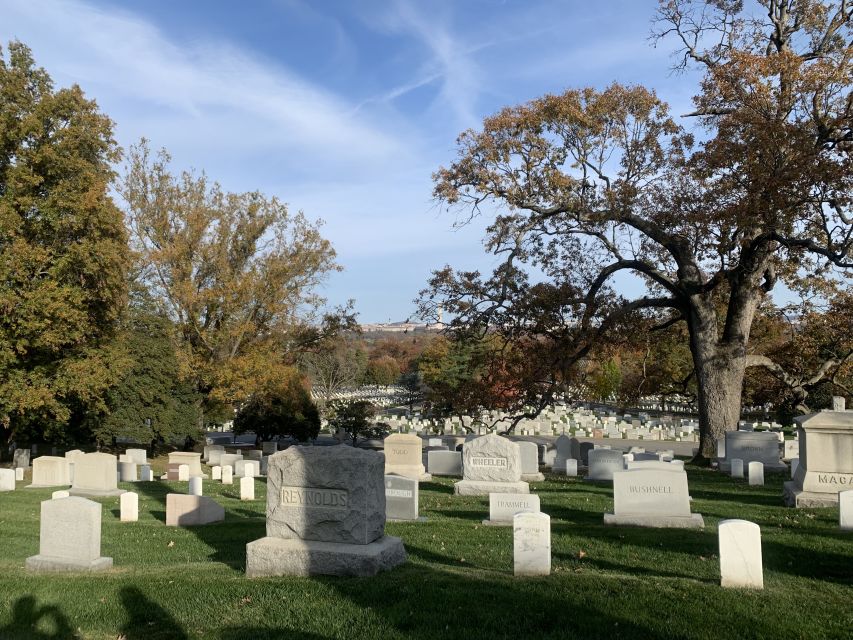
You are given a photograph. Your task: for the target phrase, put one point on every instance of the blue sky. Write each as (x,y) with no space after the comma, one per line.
(341,108)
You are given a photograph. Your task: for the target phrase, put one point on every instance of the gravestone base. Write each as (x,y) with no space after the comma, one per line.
(779,467)
(796,497)
(95,493)
(418,519)
(485,487)
(694,521)
(282,557)
(533,477)
(52,564)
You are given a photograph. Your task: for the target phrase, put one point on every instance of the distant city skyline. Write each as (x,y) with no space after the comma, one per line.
(341,109)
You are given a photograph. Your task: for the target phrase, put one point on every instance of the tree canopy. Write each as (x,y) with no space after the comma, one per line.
(753,188)
(63,252)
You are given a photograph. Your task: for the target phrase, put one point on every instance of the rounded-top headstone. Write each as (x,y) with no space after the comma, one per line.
(491,458)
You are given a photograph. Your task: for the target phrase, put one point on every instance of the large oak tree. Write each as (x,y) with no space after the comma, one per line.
(595,183)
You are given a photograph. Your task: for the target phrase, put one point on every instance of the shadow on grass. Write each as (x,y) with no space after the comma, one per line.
(228,539)
(27,617)
(147,620)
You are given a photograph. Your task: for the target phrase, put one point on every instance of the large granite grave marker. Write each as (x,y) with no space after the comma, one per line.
(404,456)
(95,475)
(325,515)
(70,537)
(652,498)
(490,464)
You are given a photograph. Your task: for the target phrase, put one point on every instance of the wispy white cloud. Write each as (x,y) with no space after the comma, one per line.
(120,56)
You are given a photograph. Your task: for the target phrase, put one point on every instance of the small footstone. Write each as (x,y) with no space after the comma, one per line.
(129,507)
(740,554)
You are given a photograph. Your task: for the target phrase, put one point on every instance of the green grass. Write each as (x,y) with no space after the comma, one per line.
(606,582)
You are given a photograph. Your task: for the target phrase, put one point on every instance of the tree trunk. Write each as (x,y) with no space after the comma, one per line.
(719,380)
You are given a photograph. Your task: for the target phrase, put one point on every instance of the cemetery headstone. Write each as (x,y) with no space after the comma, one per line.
(736,467)
(325,515)
(444,463)
(652,498)
(95,475)
(184,510)
(70,537)
(529,453)
(227,474)
(756,474)
(571,467)
(504,506)
(826,459)
(62,493)
(7,480)
(845,510)
(531,541)
(145,473)
(195,488)
(216,473)
(50,471)
(404,456)
(21,458)
(603,463)
(19,474)
(401,498)
(127,471)
(247,488)
(184,472)
(490,464)
(740,554)
(192,460)
(129,505)
(753,446)
(585,448)
(139,456)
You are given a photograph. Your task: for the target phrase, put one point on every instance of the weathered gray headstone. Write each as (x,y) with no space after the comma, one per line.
(753,446)
(652,498)
(529,453)
(325,515)
(603,463)
(740,554)
(444,463)
(70,538)
(21,458)
(491,464)
(531,541)
(127,471)
(401,498)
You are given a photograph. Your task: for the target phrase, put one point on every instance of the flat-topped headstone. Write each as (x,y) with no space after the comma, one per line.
(191,459)
(529,453)
(208,449)
(214,456)
(504,506)
(652,498)
(195,487)
(404,456)
(401,498)
(444,463)
(247,488)
(184,510)
(70,537)
(145,473)
(230,459)
(325,515)
(491,464)
(740,554)
(95,475)
(127,471)
(753,446)
(825,460)
(19,474)
(227,474)
(50,471)
(129,507)
(845,510)
(603,463)
(677,465)
(531,541)
(139,456)
(7,479)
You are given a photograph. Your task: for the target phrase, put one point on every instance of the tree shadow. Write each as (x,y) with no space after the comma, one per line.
(27,617)
(147,620)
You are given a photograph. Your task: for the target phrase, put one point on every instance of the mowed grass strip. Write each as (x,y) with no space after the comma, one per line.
(606,582)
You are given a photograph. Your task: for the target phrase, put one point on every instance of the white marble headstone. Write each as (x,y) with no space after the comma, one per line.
(740,554)
(531,544)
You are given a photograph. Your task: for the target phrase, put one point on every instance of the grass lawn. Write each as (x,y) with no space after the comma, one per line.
(606,582)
